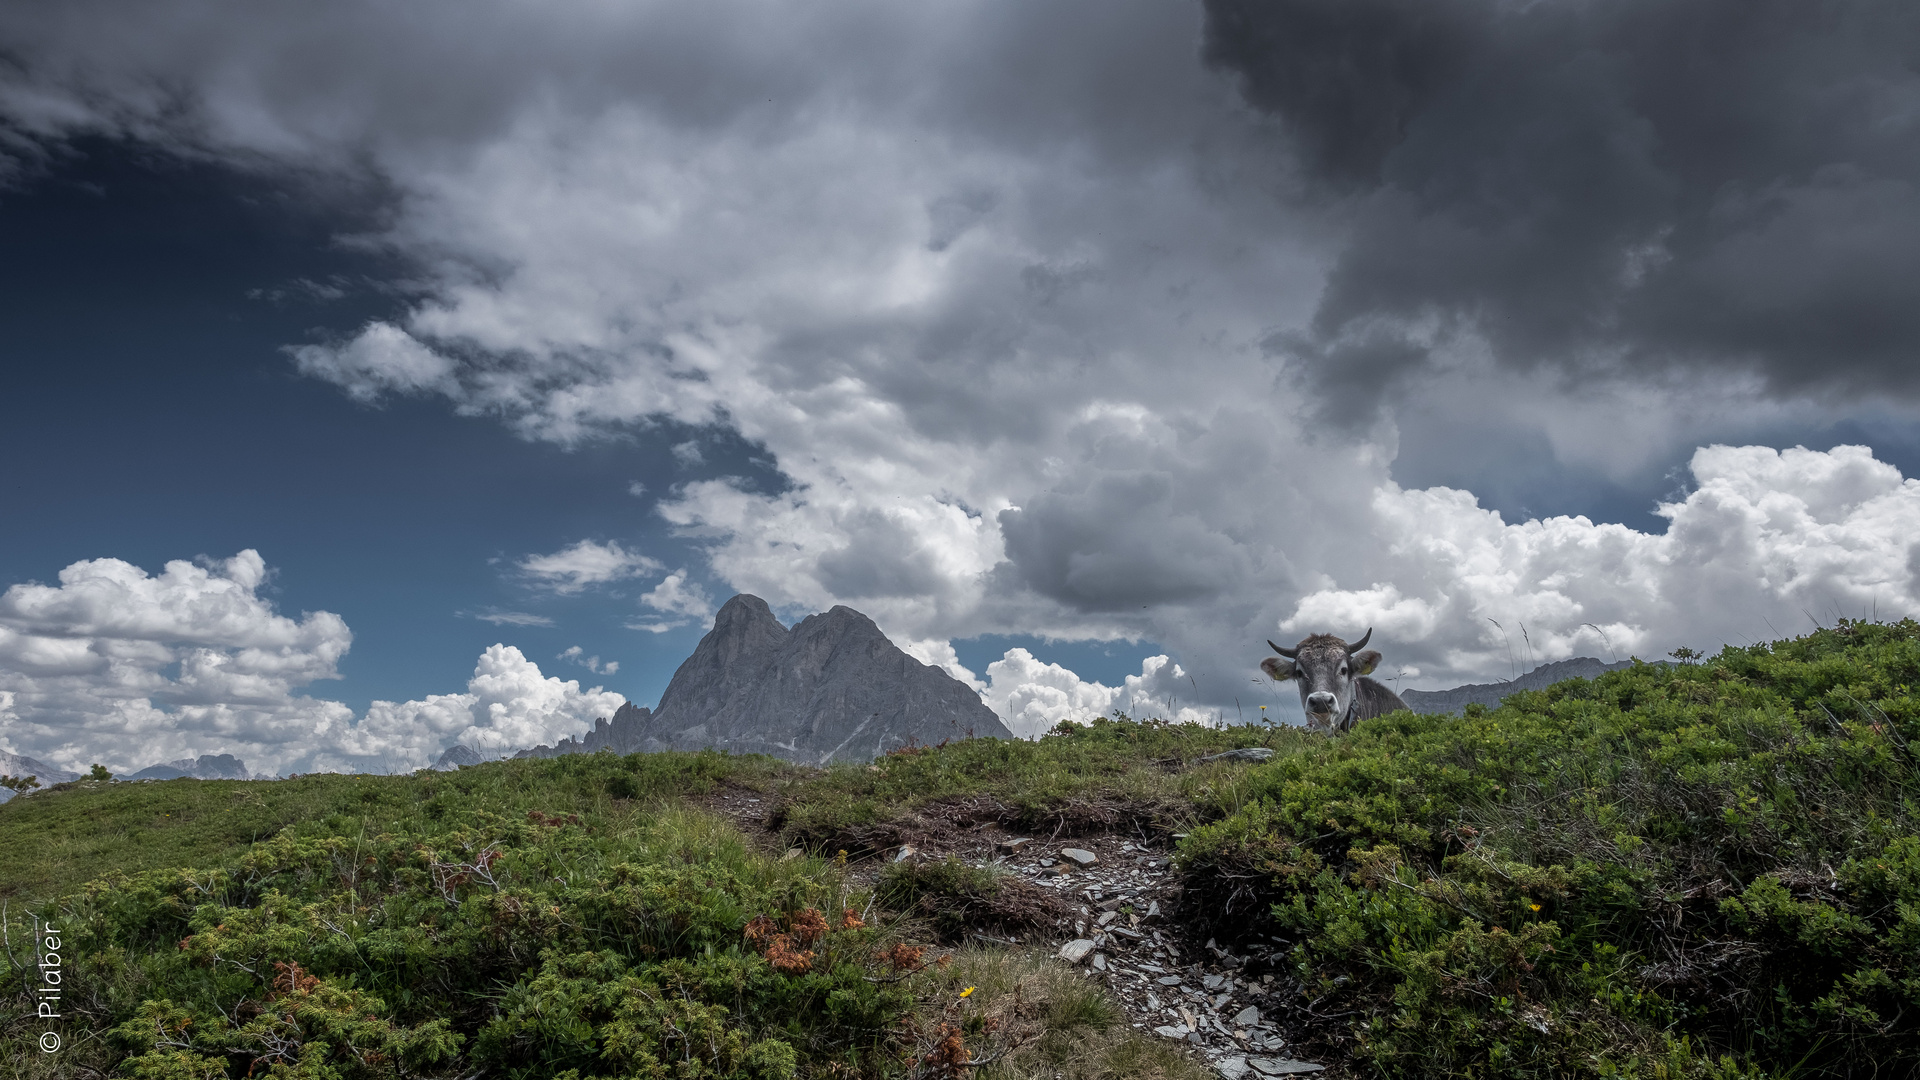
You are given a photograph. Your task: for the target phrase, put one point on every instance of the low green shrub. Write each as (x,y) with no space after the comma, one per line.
(615,944)
(1674,870)
(955,899)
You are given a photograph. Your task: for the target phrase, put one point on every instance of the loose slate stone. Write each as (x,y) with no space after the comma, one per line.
(1231,1068)
(1169,1031)
(1100,961)
(1251,753)
(1247,1017)
(1283,1066)
(1016,842)
(1212,982)
(1075,951)
(1107,918)
(1169,980)
(1079,855)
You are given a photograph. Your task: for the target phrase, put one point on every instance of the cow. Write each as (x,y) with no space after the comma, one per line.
(1334,688)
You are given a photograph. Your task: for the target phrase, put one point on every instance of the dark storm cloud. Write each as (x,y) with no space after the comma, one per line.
(1087,550)
(1645,183)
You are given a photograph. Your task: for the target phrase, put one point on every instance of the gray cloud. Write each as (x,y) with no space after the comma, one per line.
(1603,188)
(1001,287)
(1122,542)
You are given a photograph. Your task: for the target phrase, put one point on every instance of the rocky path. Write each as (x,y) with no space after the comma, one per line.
(1169,984)
(1120,894)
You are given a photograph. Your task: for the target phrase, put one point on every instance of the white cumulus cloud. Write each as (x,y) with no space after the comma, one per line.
(1766,544)
(1035,697)
(381,359)
(113,661)
(576,654)
(508,705)
(675,595)
(125,668)
(585,564)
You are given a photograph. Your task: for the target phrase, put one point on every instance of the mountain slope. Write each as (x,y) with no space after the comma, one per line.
(1490,694)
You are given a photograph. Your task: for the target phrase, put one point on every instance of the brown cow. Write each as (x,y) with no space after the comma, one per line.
(1334,688)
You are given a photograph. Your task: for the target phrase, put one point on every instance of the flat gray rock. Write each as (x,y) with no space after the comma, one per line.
(1247,1017)
(1075,951)
(1282,1066)
(1245,753)
(1079,855)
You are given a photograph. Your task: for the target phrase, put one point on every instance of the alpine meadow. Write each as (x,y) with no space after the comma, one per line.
(1698,869)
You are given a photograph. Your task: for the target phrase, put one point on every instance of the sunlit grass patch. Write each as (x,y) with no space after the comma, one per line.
(1119,776)
(55,840)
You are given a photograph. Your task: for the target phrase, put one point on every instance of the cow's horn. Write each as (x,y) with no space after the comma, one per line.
(1358,645)
(1288,653)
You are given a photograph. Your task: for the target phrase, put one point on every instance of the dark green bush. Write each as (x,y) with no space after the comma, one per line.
(1695,869)
(525,947)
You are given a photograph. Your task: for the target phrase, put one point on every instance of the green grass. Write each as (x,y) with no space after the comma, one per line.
(58,840)
(1125,776)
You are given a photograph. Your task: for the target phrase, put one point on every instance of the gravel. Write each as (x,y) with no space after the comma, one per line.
(1197,995)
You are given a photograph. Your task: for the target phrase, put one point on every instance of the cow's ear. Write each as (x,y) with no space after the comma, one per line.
(1365,662)
(1277,667)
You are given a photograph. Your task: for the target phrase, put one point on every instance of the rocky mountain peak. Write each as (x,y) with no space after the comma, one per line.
(833,688)
(204,767)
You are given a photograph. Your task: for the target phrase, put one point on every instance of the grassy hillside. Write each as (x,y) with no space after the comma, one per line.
(1704,869)
(1699,870)
(58,840)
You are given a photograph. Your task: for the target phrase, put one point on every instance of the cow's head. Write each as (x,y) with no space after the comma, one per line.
(1325,669)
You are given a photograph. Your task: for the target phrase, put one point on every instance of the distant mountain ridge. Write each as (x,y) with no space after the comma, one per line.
(1489,694)
(21,765)
(831,688)
(204,767)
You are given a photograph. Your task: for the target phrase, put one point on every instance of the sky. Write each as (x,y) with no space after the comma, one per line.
(377,378)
